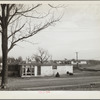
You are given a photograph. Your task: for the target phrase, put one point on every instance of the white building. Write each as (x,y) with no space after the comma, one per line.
(79,62)
(44,70)
(83,62)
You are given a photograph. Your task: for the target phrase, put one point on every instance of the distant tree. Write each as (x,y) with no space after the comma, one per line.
(20,59)
(28,60)
(11,60)
(42,56)
(14,29)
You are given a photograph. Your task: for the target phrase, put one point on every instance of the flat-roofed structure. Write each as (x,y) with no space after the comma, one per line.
(44,69)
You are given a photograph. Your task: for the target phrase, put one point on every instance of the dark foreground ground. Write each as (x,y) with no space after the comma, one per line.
(80,81)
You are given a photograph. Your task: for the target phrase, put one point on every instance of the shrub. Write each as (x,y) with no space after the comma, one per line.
(67,72)
(57,75)
(70,73)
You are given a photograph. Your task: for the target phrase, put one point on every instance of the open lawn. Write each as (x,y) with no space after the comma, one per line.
(95,67)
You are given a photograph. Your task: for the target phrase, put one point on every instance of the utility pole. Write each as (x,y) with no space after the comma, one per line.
(77,58)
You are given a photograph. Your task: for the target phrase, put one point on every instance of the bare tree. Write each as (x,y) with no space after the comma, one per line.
(42,56)
(15,26)
(11,60)
(20,59)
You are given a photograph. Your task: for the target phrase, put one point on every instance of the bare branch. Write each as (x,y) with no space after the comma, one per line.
(29,42)
(12,45)
(11,6)
(36,31)
(29,9)
(42,56)
(34,16)
(15,20)
(52,6)
(58,6)
(38,17)
(7,11)
(20,12)
(12,16)
(16,31)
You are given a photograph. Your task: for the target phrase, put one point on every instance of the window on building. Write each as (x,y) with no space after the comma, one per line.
(32,70)
(39,70)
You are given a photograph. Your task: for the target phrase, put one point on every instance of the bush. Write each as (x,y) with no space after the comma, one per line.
(70,73)
(67,72)
(57,75)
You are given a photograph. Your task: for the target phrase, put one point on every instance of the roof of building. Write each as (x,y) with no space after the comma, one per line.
(46,64)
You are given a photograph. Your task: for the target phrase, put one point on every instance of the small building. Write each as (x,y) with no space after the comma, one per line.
(83,62)
(44,70)
(79,62)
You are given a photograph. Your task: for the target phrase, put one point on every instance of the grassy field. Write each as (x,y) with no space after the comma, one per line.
(91,66)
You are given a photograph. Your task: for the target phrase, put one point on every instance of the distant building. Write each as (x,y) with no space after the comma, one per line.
(74,62)
(83,62)
(62,61)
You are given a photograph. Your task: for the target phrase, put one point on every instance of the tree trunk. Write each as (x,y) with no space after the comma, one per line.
(4,49)
(4,60)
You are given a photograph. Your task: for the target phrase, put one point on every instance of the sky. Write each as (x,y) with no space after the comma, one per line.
(77,31)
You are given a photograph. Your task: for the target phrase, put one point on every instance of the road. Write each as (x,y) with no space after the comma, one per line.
(41,83)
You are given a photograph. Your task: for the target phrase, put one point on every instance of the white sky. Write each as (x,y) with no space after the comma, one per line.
(77,31)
